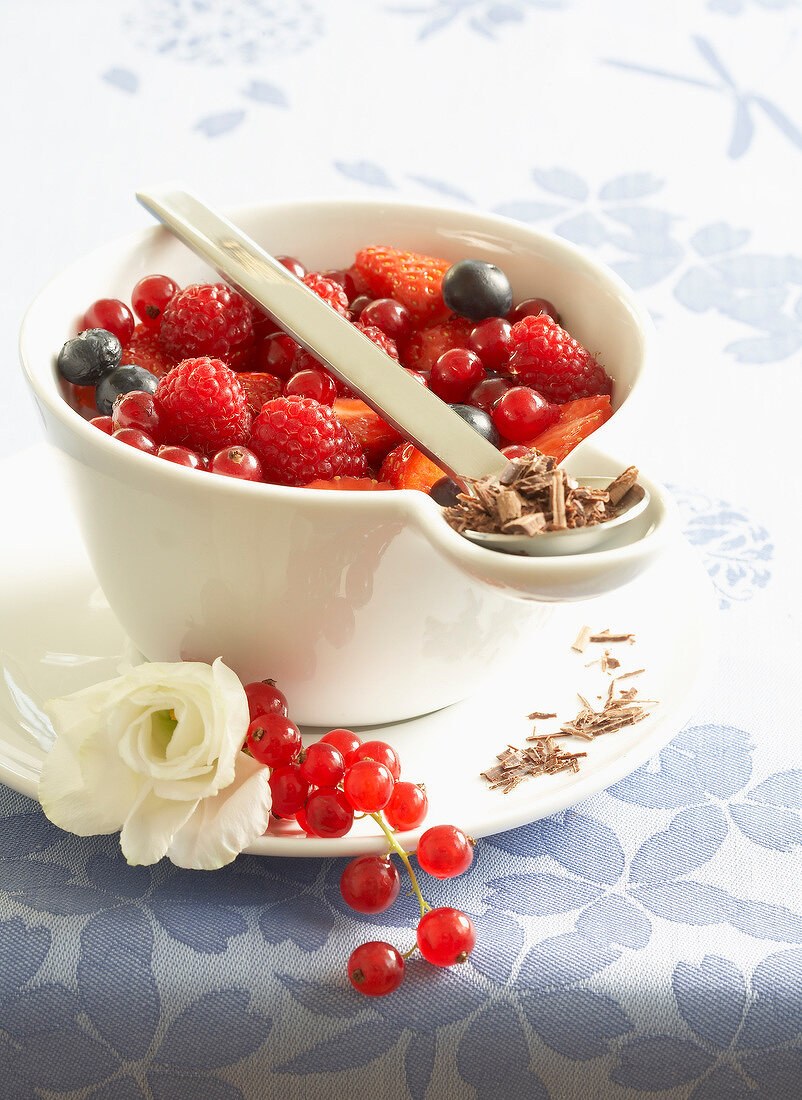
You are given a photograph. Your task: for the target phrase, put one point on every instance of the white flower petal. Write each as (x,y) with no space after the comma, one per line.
(84,787)
(150,827)
(221,827)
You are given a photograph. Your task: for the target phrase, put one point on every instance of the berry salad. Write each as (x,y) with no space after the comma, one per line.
(199,377)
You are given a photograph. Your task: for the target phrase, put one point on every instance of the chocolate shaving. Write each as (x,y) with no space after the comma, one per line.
(619,488)
(581,642)
(542,758)
(540,714)
(608,636)
(533,495)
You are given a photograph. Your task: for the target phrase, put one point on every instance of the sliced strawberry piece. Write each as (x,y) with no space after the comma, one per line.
(260,387)
(408,468)
(425,346)
(410,277)
(375,435)
(145,350)
(561,438)
(351,484)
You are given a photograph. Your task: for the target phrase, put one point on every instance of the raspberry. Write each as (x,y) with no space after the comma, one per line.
(300,440)
(550,361)
(144,349)
(206,319)
(381,339)
(204,404)
(332,293)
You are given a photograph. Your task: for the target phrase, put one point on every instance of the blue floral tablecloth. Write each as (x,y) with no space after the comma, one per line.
(646,943)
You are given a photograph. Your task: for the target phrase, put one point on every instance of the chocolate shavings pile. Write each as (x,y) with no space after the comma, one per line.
(532,495)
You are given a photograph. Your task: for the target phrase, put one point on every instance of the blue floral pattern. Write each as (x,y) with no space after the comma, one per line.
(484,17)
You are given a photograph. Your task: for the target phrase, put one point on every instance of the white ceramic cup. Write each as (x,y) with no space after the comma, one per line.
(364,607)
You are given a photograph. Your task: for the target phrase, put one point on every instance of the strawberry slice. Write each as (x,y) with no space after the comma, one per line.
(374,434)
(408,468)
(425,346)
(260,387)
(578,419)
(351,484)
(410,277)
(145,350)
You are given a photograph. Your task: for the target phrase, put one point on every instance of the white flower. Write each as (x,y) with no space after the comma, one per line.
(156,754)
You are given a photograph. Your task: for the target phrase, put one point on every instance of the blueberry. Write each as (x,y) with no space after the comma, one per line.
(124,379)
(476,290)
(89,356)
(481,421)
(444,492)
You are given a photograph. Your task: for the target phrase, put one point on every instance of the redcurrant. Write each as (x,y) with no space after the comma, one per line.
(486,393)
(274,740)
(289,790)
(182,456)
(384,753)
(315,383)
(446,936)
(104,423)
(150,296)
(376,968)
(390,316)
(112,315)
(370,884)
(237,462)
(275,355)
(328,813)
(136,439)
(533,307)
(137,409)
(346,742)
(522,413)
(407,807)
(444,851)
(322,765)
(265,698)
(491,340)
(295,267)
(455,373)
(368,786)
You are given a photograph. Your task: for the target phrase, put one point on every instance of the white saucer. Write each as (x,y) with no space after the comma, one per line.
(57,634)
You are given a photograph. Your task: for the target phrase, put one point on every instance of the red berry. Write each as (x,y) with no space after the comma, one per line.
(357,305)
(331,292)
(274,740)
(345,742)
(206,319)
(150,296)
(487,392)
(259,387)
(300,817)
(413,279)
(328,813)
(289,790)
(104,423)
(368,786)
(276,355)
(344,279)
(265,698)
(136,439)
(379,338)
(237,462)
(144,349)
(137,409)
(388,315)
(322,765)
(376,968)
(383,753)
(446,936)
(370,884)
(515,450)
(455,373)
(295,267)
(491,341)
(204,405)
(182,456)
(521,413)
(112,315)
(407,807)
(299,440)
(534,307)
(444,851)
(546,358)
(315,383)
(425,346)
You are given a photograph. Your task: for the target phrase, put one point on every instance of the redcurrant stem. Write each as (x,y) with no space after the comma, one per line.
(396,847)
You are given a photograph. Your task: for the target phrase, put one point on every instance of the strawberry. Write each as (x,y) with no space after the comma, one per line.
(375,435)
(144,349)
(577,420)
(259,387)
(408,468)
(350,484)
(410,277)
(425,346)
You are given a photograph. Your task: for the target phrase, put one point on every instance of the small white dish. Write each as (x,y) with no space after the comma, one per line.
(58,634)
(340,596)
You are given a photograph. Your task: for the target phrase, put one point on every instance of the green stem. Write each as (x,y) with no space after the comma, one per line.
(396,847)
